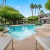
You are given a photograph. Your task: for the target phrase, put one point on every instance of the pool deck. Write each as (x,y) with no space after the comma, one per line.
(30,42)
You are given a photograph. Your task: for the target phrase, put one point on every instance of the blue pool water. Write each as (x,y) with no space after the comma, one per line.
(21,32)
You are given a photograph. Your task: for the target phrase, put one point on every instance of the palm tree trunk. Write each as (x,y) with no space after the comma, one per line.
(5,2)
(39,11)
(32,11)
(2,3)
(5,21)
(35,11)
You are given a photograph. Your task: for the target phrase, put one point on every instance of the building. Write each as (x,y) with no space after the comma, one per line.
(45,19)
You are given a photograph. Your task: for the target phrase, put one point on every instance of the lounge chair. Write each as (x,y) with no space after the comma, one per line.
(44,42)
(4,42)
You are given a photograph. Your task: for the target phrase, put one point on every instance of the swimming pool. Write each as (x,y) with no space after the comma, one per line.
(21,32)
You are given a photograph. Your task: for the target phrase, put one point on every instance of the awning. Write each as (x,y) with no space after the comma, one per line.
(45,18)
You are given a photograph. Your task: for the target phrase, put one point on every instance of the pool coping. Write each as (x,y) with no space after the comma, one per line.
(21,24)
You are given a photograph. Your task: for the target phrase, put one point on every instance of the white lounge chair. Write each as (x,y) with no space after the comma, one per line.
(44,42)
(4,42)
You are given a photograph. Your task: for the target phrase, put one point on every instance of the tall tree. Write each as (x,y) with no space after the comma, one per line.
(39,7)
(35,9)
(42,12)
(32,7)
(1,19)
(11,14)
(2,2)
(0,6)
(47,5)
(5,10)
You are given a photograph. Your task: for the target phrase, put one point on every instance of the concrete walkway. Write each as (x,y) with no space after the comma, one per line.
(28,43)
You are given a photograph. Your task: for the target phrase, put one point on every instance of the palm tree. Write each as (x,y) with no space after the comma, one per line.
(32,7)
(41,15)
(35,9)
(0,6)
(2,2)
(5,2)
(42,12)
(5,6)
(1,19)
(39,7)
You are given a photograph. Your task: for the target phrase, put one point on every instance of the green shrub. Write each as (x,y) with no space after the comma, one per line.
(37,23)
(1,28)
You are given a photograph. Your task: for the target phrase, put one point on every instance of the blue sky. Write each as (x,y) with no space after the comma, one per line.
(24,6)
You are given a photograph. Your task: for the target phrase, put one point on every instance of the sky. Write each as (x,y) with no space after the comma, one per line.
(23,6)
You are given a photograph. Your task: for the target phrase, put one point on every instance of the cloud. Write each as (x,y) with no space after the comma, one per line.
(26,11)
(18,7)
